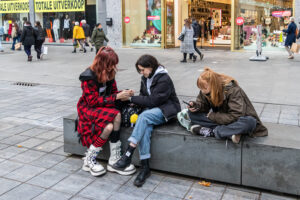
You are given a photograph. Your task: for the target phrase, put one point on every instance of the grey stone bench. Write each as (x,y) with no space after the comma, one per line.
(271,162)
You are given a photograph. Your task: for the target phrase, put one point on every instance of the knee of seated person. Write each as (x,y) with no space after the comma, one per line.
(250,123)
(109,127)
(118,116)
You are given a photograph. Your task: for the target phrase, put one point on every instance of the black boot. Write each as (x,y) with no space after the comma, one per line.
(144,173)
(74,51)
(125,160)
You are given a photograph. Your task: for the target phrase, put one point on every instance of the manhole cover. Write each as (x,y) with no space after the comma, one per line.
(25,84)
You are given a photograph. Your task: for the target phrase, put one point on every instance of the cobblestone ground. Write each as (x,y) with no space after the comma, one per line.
(34,166)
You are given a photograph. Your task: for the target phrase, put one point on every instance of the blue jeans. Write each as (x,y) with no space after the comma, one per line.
(141,134)
(27,50)
(14,42)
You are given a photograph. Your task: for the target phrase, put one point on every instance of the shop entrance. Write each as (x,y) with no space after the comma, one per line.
(214,17)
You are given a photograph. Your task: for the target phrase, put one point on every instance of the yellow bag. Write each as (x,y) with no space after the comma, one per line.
(295,48)
(18,46)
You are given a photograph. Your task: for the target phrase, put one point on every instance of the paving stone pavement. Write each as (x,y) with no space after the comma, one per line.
(34,166)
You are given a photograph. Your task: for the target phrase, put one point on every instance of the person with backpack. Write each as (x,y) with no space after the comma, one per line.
(160,103)
(98,37)
(28,39)
(1,36)
(291,37)
(99,120)
(197,34)
(222,109)
(40,39)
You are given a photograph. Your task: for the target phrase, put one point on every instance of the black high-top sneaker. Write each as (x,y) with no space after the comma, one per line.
(144,174)
(125,160)
(203,131)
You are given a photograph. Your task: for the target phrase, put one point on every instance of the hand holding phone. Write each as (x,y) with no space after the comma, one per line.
(189,104)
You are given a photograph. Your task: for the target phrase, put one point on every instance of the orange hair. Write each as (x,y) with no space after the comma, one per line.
(216,82)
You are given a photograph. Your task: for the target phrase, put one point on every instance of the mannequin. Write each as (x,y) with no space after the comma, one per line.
(66,27)
(56,25)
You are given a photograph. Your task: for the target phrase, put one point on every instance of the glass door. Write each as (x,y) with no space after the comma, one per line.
(169,24)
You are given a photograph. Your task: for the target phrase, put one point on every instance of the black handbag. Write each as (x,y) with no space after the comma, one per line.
(127,111)
(181,37)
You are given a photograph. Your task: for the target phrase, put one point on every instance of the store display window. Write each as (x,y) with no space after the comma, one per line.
(142,23)
(273,16)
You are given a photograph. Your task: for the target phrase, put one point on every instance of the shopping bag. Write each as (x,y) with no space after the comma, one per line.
(45,50)
(295,48)
(18,46)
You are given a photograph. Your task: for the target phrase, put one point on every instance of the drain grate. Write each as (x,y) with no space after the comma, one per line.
(25,84)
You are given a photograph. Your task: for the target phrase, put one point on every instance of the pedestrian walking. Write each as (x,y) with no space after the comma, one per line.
(187,45)
(40,39)
(87,33)
(291,37)
(28,39)
(158,97)
(15,34)
(197,34)
(1,36)
(78,37)
(98,37)
(99,119)
(222,109)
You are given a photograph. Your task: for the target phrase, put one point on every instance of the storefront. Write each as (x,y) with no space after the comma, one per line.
(158,23)
(13,11)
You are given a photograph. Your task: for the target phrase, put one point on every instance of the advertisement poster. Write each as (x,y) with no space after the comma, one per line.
(217,16)
(153,16)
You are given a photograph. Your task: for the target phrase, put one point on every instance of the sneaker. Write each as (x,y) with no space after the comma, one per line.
(201,56)
(195,129)
(291,57)
(236,138)
(183,61)
(203,131)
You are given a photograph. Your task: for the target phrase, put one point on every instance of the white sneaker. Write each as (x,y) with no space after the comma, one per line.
(90,163)
(115,155)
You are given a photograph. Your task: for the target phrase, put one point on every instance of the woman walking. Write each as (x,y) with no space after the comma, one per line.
(158,98)
(40,39)
(222,109)
(187,45)
(28,39)
(98,37)
(99,120)
(15,34)
(78,37)
(291,37)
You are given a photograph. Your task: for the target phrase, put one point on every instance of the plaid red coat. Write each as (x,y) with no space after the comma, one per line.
(96,107)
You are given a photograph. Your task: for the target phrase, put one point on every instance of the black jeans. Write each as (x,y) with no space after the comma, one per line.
(195,47)
(38,47)
(244,125)
(27,49)
(185,54)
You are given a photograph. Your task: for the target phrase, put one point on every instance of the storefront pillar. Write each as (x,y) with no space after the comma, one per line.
(114,32)
(31,12)
(101,13)
(297,10)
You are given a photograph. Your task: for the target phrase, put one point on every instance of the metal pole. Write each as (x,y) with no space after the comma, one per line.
(31,12)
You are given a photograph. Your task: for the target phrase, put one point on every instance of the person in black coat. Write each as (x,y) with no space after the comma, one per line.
(40,39)
(28,39)
(158,98)
(291,37)
(87,33)
(197,34)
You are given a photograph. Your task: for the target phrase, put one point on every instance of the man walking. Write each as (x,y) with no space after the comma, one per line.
(87,33)
(197,33)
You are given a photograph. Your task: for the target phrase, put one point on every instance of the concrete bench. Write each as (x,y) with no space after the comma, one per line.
(271,162)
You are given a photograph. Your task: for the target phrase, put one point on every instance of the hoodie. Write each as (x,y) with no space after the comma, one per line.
(159,70)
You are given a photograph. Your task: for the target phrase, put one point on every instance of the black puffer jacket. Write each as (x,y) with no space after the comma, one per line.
(28,36)
(39,33)
(163,95)
(197,29)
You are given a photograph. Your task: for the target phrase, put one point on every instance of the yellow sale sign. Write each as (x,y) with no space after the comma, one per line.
(59,5)
(20,6)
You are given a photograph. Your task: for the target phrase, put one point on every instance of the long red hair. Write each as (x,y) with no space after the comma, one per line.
(216,82)
(105,64)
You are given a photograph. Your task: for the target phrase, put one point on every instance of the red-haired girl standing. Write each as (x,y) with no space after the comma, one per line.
(99,120)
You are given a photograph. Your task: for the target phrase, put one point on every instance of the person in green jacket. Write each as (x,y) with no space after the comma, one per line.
(98,37)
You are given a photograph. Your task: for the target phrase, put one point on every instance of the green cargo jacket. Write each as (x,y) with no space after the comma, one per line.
(236,104)
(98,38)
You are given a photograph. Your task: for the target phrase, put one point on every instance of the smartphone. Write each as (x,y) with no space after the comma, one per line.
(187,103)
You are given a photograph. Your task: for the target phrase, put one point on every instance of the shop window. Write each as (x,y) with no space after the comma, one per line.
(273,16)
(142,23)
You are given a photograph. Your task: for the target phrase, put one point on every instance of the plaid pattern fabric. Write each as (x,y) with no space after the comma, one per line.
(94,111)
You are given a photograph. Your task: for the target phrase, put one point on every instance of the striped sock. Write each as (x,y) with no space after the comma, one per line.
(99,142)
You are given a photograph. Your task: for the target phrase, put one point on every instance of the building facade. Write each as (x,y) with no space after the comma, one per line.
(229,23)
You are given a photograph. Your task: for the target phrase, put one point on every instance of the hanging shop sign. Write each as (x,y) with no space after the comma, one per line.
(20,6)
(285,13)
(59,5)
